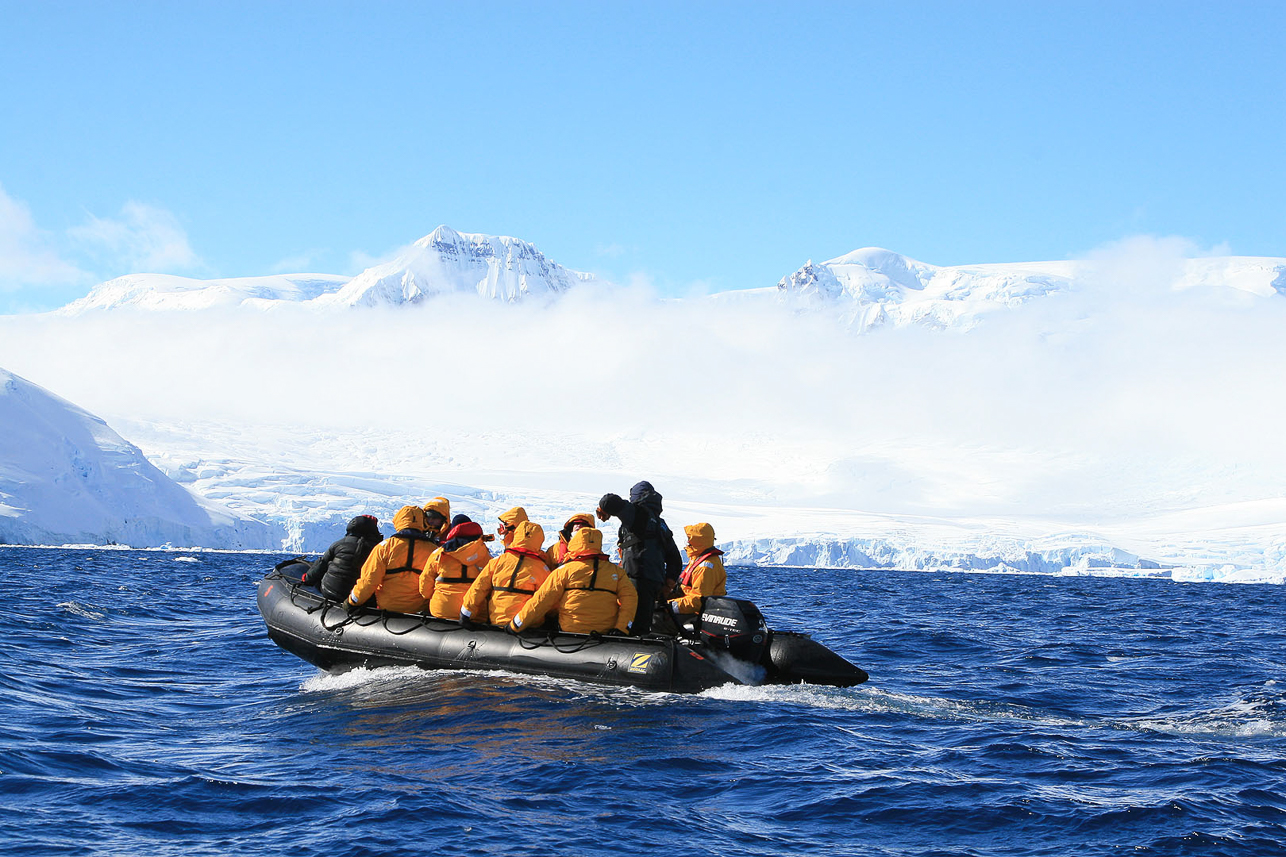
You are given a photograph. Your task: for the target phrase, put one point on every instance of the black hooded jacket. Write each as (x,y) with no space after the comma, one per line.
(648,551)
(335,571)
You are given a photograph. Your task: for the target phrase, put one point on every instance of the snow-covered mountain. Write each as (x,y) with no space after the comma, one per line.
(66,477)
(442,262)
(873,287)
(446,261)
(168,292)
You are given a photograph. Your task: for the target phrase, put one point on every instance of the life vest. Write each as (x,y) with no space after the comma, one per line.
(685,579)
(593,577)
(512,586)
(409,565)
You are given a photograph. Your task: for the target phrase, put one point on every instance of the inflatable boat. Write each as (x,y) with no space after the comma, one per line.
(729,643)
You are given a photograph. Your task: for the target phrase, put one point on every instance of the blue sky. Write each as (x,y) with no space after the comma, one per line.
(707,145)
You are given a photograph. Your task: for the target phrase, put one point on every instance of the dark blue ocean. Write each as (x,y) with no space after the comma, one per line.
(145,712)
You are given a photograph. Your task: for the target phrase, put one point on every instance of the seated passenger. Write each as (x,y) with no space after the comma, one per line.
(704,575)
(391,572)
(436,514)
(509,580)
(558,552)
(589,591)
(454,567)
(335,571)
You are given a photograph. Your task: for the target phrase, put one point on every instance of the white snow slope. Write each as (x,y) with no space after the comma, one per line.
(441,263)
(1117,414)
(65,477)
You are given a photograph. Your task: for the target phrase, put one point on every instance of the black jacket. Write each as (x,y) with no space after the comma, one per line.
(335,571)
(648,551)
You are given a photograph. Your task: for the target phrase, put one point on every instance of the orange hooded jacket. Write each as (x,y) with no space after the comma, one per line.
(391,573)
(704,574)
(511,519)
(509,580)
(589,591)
(558,552)
(450,574)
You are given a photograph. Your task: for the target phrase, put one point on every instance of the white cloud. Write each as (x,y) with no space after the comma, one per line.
(144,238)
(27,254)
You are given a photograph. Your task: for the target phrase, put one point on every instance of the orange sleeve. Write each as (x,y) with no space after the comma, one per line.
(703,584)
(372,572)
(628,597)
(429,576)
(547,597)
(475,600)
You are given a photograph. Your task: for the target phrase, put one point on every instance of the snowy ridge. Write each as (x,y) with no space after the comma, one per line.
(874,288)
(159,292)
(878,287)
(65,477)
(446,261)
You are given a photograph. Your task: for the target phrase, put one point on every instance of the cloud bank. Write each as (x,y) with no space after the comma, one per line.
(1122,396)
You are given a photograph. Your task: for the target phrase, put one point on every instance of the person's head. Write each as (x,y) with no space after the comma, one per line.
(365,527)
(646,496)
(700,538)
(410,518)
(529,536)
(437,512)
(463,530)
(509,522)
(586,542)
(574,523)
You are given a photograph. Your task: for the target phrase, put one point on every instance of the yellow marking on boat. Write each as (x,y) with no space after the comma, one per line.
(639,662)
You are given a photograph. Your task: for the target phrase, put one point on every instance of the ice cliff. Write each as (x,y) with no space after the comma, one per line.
(67,478)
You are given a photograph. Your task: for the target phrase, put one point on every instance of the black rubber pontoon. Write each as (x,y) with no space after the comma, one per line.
(306,624)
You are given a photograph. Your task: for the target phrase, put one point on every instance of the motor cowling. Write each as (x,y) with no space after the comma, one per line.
(734,626)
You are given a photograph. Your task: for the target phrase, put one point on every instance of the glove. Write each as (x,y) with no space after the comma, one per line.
(617,632)
(468,624)
(350,607)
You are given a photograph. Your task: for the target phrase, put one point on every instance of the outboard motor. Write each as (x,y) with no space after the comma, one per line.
(734,626)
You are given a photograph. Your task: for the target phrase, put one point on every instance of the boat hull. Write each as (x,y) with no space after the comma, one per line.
(323,633)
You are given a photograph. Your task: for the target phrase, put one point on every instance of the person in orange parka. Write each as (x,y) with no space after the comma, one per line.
(391,572)
(558,552)
(454,567)
(590,592)
(704,574)
(437,512)
(509,522)
(509,580)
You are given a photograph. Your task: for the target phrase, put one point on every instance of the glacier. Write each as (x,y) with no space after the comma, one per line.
(66,477)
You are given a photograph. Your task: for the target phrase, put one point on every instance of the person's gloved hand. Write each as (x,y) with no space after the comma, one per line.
(468,624)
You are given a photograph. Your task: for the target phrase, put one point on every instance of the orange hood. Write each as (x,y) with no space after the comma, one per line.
(586,542)
(409,518)
(700,538)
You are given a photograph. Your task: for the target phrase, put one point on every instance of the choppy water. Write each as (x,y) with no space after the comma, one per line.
(146,712)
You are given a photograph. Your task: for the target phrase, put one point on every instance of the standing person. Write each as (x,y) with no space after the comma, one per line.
(589,591)
(391,572)
(509,581)
(335,571)
(704,575)
(558,552)
(453,568)
(648,552)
